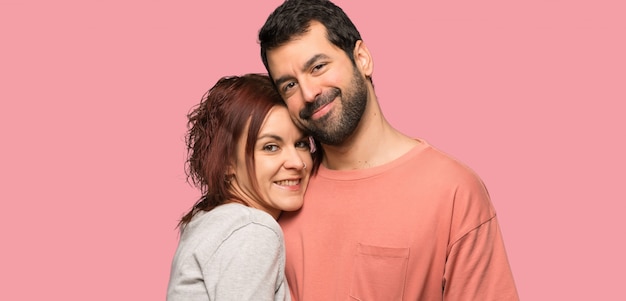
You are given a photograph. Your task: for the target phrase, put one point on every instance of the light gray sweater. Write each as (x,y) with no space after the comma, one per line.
(232,252)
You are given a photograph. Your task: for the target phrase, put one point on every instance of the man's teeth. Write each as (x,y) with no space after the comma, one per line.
(288,182)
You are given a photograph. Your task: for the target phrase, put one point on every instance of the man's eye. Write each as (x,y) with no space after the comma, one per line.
(270,148)
(318,67)
(288,86)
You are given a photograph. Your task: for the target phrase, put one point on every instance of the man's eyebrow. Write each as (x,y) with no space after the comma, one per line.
(307,65)
(279,81)
(313,60)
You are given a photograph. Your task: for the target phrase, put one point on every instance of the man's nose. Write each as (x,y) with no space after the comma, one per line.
(310,90)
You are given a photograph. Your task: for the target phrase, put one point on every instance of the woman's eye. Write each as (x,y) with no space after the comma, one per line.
(270,148)
(303,144)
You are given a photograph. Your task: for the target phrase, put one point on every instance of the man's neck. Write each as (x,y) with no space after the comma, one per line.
(375,142)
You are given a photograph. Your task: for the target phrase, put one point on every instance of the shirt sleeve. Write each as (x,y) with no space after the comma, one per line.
(476,267)
(247,266)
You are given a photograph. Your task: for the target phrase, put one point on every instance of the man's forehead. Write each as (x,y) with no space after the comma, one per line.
(301,48)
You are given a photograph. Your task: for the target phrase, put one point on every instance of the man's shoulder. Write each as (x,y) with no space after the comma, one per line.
(441,165)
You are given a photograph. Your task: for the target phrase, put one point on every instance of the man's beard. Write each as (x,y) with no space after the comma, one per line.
(328,129)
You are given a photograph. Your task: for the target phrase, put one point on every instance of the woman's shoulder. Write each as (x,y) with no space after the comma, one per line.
(229,224)
(232,217)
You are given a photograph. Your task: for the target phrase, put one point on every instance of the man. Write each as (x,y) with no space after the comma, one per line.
(387,217)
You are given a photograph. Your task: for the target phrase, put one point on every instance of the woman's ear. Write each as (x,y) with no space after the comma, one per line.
(363,58)
(229,175)
(230,170)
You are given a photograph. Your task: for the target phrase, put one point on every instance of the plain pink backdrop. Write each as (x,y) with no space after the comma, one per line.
(94,94)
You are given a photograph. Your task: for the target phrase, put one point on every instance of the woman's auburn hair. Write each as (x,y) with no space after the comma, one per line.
(215,126)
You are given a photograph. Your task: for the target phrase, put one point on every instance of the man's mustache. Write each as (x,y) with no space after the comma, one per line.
(320,101)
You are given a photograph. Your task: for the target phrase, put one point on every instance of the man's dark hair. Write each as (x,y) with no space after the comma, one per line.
(293,19)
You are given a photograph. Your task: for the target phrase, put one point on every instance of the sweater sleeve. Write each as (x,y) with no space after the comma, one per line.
(246,266)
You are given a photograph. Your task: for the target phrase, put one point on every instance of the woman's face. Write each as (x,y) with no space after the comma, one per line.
(280,154)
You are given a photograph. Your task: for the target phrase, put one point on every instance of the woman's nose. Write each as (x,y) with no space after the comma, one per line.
(294,160)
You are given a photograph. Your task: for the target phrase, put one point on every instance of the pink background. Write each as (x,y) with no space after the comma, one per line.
(94,95)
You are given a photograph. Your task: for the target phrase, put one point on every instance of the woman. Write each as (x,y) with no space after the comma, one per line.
(251,163)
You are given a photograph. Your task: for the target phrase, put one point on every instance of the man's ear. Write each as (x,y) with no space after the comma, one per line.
(363,58)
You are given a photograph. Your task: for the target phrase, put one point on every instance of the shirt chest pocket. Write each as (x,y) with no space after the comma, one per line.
(379,273)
